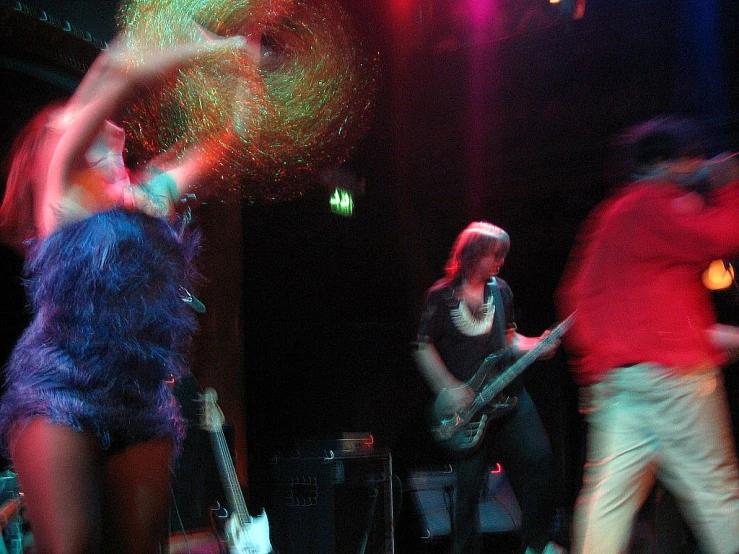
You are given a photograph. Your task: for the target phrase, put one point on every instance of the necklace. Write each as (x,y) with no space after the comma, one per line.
(470,324)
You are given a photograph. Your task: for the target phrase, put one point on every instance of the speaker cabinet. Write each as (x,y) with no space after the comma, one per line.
(332,504)
(433,491)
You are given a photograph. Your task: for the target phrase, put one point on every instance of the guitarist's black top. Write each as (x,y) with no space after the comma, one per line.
(463,353)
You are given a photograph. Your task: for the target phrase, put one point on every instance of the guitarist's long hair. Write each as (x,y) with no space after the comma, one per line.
(476,241)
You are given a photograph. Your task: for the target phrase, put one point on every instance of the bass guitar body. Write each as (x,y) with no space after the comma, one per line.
(451,430)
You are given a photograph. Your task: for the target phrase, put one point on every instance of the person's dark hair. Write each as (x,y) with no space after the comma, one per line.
(664,139)
(476,241)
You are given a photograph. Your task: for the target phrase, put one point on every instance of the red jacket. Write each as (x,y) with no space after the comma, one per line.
(635,278)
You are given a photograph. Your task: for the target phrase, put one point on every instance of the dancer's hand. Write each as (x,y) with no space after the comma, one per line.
(140,65)
(216,42)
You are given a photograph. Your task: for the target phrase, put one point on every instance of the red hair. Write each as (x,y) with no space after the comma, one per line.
(29,159)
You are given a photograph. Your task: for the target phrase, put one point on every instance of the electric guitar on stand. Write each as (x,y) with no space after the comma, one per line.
(246,534)
(460,431)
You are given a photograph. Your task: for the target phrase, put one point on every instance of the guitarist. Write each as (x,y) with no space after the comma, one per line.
(468,315)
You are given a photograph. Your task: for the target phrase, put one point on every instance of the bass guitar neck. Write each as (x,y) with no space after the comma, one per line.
(246,534)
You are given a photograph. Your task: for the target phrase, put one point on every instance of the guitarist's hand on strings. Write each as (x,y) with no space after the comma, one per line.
(521,344)
(549,352)
(455,399)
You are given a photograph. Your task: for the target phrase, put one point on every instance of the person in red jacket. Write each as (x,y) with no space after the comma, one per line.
(645,345)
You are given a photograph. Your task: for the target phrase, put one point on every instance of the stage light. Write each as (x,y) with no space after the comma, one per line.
(719,275)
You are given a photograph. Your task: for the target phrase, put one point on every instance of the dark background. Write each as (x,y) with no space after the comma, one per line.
(515,129)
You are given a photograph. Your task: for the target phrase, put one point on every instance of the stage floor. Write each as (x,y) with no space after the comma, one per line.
(196,542)
(203,542)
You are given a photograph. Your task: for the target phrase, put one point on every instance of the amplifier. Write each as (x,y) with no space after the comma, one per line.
(433,495)
(332,504)
(344,444)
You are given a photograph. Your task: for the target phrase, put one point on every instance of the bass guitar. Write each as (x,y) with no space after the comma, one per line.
(460,431)
(245,534)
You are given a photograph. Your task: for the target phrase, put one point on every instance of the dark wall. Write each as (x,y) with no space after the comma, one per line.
(95,18)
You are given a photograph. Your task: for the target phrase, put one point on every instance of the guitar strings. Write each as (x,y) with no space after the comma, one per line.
(177,513)
(231,476)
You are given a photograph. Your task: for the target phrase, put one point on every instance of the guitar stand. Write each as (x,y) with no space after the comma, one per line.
(450,497)
(374,494)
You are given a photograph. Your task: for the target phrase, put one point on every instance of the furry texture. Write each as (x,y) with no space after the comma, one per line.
(109,329)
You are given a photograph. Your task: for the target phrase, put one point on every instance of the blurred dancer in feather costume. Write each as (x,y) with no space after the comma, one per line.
(89,418)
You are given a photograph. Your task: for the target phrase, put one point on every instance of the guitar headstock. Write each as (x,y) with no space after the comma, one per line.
(562,327)
(212,419)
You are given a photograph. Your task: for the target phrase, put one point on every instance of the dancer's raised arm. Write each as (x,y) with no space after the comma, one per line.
(86,140)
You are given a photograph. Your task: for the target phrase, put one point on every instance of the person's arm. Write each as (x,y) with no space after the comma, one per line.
(169,177)
(197,161)
(139,67)
(177,172)
(452,393)
(724,336)
(520,344)
(113,76)
(696,227)
(433,369)
(517,343)
(104,88)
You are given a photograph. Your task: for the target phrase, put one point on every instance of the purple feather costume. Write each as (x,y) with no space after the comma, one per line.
(110,329)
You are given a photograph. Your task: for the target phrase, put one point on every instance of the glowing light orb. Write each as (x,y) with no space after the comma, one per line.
(718,276)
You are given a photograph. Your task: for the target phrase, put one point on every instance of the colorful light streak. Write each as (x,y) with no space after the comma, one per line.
(303,108)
